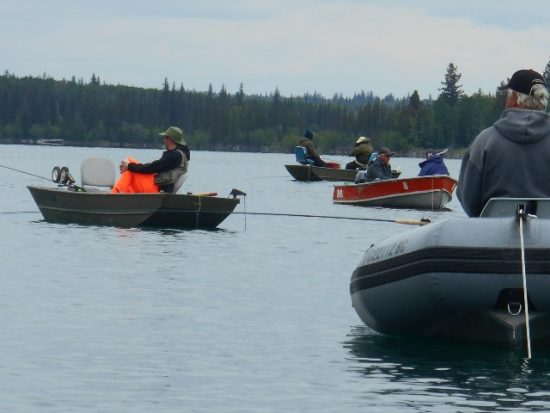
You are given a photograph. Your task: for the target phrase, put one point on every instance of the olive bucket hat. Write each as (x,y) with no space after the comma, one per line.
(174,133)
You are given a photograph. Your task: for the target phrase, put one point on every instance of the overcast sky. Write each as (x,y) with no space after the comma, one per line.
(299,46)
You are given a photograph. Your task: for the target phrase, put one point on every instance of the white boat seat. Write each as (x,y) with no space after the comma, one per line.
(97,172)
(507,207)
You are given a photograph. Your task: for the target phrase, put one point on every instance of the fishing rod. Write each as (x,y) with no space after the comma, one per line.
(60,176)
(408,221)
(26,173)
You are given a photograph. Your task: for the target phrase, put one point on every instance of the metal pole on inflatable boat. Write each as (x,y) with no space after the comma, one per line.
(522,215)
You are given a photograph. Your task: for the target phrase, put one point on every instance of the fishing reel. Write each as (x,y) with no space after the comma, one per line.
(62,176)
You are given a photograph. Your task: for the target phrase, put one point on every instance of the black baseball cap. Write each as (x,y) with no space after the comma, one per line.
(523,81)
(384,150)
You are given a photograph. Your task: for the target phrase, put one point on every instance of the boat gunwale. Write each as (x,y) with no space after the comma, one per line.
(401,195)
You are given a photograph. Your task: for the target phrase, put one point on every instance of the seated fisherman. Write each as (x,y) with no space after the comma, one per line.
(159,175)
(509,158)
(362,152)
(380,168)
(433,165)
(307,142)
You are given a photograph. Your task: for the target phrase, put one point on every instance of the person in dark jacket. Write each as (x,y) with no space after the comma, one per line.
(433,165)
(307,142)
(380,168)
(172,164)
(362,152)
(509,159)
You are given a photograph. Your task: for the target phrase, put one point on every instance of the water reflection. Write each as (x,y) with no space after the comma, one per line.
(414,372)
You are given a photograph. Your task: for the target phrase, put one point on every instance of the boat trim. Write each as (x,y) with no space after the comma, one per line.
(449,260)
(399,194)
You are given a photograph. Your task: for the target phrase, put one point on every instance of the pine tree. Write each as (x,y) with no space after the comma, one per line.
(414,103)
(451,90)
(240,94)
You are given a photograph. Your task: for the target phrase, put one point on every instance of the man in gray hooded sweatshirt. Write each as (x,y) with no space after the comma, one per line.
(512,157)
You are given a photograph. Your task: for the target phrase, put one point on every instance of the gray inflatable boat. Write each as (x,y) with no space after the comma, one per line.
(462,277)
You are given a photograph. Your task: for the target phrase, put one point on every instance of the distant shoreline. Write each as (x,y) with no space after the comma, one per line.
(410,153)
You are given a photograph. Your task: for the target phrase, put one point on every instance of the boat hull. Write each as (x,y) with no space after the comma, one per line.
(458,278)
(317,173)
(426,192)
(132,210)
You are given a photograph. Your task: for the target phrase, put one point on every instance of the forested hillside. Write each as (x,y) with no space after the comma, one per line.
(98,114)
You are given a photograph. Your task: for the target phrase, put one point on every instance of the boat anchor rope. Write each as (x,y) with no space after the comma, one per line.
(522,213)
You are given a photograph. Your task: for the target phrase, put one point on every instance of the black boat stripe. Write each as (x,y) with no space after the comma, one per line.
(450,260)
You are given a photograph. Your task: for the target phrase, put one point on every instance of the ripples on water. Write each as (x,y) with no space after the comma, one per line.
(446,376)
(104,319)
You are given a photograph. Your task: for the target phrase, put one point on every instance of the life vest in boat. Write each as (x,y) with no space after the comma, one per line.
(132,182)
(171,176)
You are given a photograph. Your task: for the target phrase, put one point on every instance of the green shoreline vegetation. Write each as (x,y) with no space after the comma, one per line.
(104,115)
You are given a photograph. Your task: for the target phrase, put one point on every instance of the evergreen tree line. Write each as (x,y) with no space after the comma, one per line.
(96,114)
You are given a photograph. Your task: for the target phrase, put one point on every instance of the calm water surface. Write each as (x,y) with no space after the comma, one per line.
(253,317)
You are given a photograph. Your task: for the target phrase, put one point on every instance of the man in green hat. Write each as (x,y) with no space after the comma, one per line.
(170,167)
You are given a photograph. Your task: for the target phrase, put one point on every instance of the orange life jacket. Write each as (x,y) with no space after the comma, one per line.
(133,182)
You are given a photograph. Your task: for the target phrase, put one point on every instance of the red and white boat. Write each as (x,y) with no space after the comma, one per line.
(421,192)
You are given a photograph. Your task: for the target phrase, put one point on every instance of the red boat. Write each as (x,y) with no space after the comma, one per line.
(421,192)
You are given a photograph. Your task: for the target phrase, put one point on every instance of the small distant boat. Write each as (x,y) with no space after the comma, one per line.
(304,170)
(89,205)
(50,142)
(421,192)
(462,278)
(318,173)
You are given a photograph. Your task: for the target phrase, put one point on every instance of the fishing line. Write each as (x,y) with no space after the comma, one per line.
(422,221)
(68,182)
(18,212)
(26,173)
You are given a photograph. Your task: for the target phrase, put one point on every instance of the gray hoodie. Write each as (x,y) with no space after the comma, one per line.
(509,159)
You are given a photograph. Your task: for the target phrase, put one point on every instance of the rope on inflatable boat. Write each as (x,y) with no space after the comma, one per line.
(522,214)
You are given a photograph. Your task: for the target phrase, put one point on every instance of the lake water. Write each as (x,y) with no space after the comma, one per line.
(253,317)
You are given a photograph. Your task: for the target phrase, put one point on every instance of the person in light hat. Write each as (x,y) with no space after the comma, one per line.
(380,168)
(362,152)
(510,158)
(160,175)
